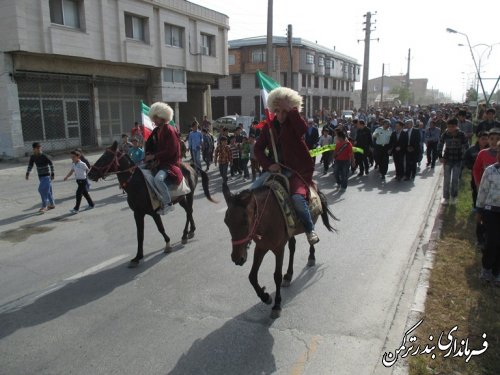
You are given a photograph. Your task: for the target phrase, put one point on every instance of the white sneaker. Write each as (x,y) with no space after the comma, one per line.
(166,209)
(444,202)
(312,238)
(73,211)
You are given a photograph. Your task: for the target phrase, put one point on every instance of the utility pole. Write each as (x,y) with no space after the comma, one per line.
(269,52)
(382,87)
(366,62)
(408,78)
(290,57)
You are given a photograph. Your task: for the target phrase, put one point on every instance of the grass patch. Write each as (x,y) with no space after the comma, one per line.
(456,297)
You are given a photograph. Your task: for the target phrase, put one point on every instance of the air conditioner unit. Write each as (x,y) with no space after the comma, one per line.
(205,51)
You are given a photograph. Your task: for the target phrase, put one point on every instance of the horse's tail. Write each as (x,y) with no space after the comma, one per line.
(204,184)
(326,212)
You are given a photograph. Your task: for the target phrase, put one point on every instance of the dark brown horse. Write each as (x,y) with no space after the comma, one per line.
(256,215)
(113,161)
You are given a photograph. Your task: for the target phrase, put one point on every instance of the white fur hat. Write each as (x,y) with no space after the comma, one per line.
(161,110)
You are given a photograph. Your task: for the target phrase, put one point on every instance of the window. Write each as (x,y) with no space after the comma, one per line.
(333,64)
(309,80)
(258,56)
(135,27)
(304,80)
(316,82)
(174,36)
(358,70)
(309,58)
(173,75)
(65,12)
(325,82)
(215,85)
(321,61)
(328,64)
(231,59)
(236,81)
(207,45)
(334,84)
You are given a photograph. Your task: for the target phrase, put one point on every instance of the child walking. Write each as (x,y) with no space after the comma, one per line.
(224,157)
(344,159)
(80,169)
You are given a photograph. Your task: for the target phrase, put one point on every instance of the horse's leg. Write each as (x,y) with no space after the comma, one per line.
(311,261)
(192,227)
(258,255)
(278,276)
(161,229)
(184,204)
(139,223)
(287,279)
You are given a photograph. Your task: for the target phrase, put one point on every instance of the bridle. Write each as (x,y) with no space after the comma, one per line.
(115,162)
(256,221)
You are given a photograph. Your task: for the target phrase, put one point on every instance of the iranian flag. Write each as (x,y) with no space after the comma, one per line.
(266,84)
(147,124)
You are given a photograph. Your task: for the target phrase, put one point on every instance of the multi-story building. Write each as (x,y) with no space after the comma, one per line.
(324,77)
(73,72)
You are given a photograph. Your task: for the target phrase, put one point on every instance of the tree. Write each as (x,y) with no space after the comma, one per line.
(403,93)
(471,95)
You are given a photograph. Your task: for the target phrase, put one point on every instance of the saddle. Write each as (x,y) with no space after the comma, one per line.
(279,185)
(175,191)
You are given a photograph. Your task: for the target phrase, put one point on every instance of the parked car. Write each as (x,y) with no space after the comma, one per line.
(347,114)
(231,123)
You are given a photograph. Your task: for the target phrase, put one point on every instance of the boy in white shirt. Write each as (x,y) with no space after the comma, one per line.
(80,169)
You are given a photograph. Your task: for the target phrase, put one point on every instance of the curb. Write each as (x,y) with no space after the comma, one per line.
(417,310)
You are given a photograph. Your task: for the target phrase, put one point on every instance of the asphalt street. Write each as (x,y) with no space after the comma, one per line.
(70,305)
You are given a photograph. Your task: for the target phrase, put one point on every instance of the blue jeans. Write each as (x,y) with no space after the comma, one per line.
(196,156)
(45,190)
(162,187)
(223,172)
(451,177)
(299,202)
(342,172)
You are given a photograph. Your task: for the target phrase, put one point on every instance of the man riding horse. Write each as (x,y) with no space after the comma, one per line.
(287,131)
(163,146)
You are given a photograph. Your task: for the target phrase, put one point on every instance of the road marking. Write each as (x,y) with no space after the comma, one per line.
(300,364)
(32,297)
(96,268)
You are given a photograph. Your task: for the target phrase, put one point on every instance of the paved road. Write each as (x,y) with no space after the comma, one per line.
(69,304)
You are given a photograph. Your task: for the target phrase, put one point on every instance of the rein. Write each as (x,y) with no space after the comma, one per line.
(115,162)
(257,219)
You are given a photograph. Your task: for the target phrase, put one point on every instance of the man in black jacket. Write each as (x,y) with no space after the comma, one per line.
(397,147)
(312,136)
(364,141)
(412,151)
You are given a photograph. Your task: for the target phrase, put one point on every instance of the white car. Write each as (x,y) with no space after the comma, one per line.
(347,114)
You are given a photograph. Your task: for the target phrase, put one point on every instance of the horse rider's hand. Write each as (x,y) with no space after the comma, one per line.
(149,158)
(274,168)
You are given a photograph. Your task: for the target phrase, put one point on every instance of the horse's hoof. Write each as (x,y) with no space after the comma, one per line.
(134,263)
(286,283)
(190,235)
(311,262)
(184,241)
(168,248)
(275,313)
(268,299)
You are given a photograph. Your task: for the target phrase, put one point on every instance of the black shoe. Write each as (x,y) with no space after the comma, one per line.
(407,178)
(382,178)
(360,174)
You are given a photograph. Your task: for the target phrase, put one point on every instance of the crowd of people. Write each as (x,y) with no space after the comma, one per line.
(364,143)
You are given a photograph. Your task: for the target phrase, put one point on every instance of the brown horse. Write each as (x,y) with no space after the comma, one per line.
(256,215)
(113,161)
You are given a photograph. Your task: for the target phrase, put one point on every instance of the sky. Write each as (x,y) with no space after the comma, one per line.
(419,26)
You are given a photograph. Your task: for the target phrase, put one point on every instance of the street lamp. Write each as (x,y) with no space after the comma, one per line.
(473,59)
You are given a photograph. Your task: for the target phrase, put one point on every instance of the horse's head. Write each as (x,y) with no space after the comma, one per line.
(112,160)
(240,221)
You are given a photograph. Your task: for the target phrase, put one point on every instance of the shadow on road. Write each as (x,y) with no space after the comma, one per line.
(244,344)
(72,296)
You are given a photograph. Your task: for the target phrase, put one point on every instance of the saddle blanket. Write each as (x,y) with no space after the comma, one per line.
(278,183)
(154,194)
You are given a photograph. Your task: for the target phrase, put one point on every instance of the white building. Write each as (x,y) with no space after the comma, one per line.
(324,77)
(73,72)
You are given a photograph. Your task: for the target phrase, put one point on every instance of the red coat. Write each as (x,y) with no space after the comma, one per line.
(292,151)
(165,145)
